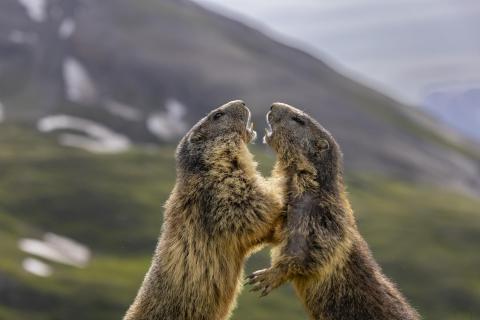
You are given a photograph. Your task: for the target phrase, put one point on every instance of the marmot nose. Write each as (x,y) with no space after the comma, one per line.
(277,106)
(238,107)
(238,103)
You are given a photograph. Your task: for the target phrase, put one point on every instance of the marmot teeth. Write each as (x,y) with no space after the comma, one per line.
(254,136)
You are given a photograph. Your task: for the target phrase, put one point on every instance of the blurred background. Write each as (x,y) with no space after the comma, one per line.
(94,96)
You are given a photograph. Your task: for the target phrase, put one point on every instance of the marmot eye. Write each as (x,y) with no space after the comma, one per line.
(298,120)
(218,115)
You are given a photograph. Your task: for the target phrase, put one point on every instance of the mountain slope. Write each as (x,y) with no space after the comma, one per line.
(426,239)
(146,70)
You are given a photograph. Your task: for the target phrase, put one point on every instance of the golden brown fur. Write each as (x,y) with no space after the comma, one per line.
(321,250)
(218,212)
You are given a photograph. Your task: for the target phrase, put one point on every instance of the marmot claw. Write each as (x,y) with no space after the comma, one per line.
(264,280)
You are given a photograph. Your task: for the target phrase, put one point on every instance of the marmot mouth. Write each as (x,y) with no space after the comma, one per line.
(249,127)
(268,130)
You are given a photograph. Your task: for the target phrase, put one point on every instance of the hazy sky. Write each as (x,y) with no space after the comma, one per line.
(406,47)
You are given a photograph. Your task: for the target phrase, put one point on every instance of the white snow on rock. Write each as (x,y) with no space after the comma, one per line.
(20,37)
(122,110)
(17,36)
(168,125)
(36,9)
(37,267)
(2,112)
(67,28)
(78,83)
(99,139)
(57,249)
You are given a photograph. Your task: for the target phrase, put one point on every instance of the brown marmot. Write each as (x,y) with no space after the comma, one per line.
(322,252)
(219,211)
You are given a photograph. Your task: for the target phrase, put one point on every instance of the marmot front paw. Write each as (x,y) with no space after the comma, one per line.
(266,280)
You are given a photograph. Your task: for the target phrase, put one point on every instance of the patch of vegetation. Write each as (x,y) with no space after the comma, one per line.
(425,239)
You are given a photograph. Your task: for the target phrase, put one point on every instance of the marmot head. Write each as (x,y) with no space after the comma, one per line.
(224,128)
(301,143)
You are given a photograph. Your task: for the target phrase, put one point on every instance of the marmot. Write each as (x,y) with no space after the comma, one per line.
(220,209)
(322,253)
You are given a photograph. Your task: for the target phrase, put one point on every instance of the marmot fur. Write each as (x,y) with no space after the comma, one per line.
(219,211)
(322,252)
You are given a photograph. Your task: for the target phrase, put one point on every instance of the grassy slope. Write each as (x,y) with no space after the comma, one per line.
(426,239)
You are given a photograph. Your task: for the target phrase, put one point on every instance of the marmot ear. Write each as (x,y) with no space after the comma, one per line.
(323,145)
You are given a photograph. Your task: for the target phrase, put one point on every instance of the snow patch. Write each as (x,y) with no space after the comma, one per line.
(122,110)
(20,37)
(57,248)
(100,139)
(78,83)
(2,112)
(67,28)
(36,9)
(37,267)
(168,125)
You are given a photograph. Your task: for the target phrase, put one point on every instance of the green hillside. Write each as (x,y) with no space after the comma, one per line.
(426,239)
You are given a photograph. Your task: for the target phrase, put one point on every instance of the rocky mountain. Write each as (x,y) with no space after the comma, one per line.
(106,74)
